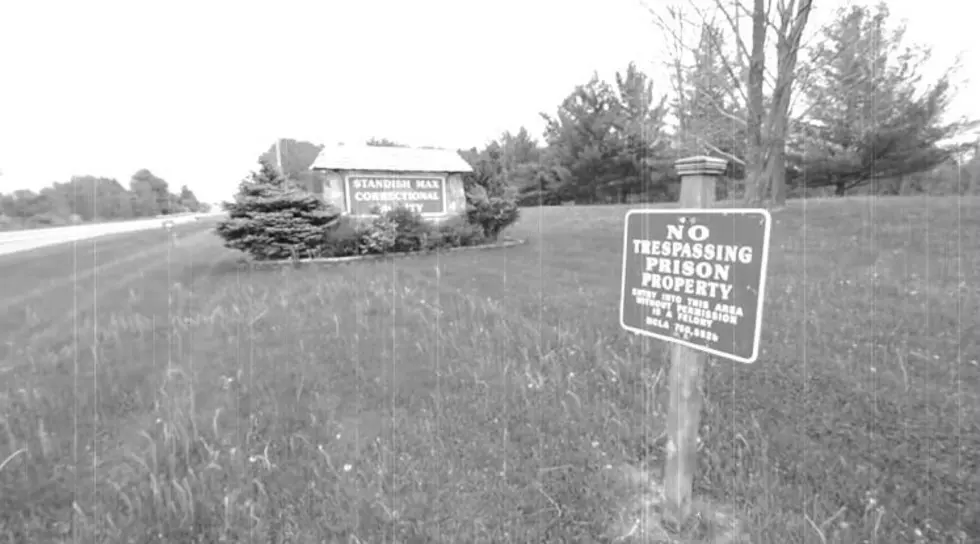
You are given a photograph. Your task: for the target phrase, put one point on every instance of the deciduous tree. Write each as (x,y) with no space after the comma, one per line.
(187,200)
(764,98)
(150,194)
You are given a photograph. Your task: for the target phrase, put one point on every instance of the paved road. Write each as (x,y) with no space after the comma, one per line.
(23,240)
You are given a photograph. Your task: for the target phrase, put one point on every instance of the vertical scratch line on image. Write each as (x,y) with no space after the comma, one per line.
(74,275)
(960,280)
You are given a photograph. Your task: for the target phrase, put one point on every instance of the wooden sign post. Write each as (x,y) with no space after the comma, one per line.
(694,277)
(686,365)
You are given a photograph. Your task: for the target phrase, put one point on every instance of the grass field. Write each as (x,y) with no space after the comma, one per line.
(164,394)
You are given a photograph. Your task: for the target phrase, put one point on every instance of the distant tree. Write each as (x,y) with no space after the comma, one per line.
(607,141)
(83,196)
(383,142)
(24,203)
(115,201)
(547,183)
(510,160)
(150,194)
(518,150)
(871,116)
(488,170)
(581,139)
(7,205)
(711,117)
(297,158)
(644,160)
(90,198)
(25,208)
(952,177)
(187,200)
(96,198)
(59,198)
(972,169)
(763,95)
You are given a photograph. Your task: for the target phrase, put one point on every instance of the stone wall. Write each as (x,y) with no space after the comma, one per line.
(333,189)
(455,195)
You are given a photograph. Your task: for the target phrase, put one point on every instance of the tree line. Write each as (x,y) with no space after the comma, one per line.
(850,112)
(95,199)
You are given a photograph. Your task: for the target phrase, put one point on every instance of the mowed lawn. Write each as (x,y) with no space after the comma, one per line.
(165,394)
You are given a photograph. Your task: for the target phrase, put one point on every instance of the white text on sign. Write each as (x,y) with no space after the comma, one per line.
(422,195)
(696,277)
(668,267)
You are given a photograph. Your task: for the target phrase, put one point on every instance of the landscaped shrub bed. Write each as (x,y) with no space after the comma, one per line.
(270,219)
(397,231)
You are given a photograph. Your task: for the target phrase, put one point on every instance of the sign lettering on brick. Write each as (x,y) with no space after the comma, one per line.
(425,195)
(696,277)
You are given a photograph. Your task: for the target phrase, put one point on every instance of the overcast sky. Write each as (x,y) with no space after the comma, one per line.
(195,91)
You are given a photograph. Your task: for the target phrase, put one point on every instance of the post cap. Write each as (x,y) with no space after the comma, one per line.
(700,166)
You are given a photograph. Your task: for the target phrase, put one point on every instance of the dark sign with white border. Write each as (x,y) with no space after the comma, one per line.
(423,194)
(696,277)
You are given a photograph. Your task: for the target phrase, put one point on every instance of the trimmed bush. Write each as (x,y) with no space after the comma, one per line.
(491,202)
(342,239)
(397,231)
(378,235)
(459,233)
(492,213)
(270,219)
(412,231)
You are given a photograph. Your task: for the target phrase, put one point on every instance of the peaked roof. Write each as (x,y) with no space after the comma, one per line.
(389,159)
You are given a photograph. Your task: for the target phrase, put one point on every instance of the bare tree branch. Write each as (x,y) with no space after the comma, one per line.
(678,53)
(733,24)
(724,59)
(720,109)
(736,79)
(679,42)
(740,4)
(710,147)
(677,65)
(790,42)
